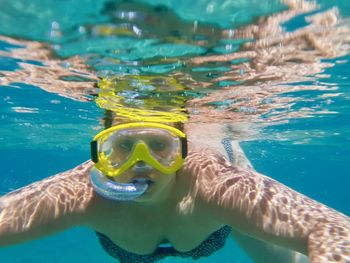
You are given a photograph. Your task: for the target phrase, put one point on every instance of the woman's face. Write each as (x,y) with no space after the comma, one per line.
(162,149)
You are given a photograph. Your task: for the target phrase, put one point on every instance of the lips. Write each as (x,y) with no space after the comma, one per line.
(142,181)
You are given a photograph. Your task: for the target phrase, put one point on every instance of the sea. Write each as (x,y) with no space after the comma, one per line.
(274,74)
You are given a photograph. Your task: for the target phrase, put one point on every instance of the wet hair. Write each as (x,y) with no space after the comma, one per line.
(108,119)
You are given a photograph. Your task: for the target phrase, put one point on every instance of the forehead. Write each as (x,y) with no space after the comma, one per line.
(143,132)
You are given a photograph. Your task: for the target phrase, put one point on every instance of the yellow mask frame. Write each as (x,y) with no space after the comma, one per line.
(140,153)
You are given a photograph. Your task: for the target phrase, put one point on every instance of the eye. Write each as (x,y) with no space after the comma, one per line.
(126,145)
(157,145)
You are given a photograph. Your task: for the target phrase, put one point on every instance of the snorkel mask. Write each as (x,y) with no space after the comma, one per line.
(125,146)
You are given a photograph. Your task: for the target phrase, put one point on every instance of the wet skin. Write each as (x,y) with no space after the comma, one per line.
(182,209)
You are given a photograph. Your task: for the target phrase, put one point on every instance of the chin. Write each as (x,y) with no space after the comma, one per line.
(147,197)
(158,191)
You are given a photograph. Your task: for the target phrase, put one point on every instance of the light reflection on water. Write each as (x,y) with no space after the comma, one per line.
(251,73)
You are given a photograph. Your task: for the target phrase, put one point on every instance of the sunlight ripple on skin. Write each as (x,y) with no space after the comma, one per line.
(300,222)
(61,194)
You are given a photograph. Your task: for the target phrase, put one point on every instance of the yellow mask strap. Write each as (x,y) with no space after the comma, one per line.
(171,129)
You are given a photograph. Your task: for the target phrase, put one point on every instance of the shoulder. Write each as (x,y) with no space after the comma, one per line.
(210,166)
(213,176)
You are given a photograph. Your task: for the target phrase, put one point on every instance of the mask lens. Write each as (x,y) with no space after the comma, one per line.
(164,147)
(117,148)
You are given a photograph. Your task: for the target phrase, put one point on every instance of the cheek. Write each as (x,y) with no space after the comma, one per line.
(165,178)
(162,154)
(117,158)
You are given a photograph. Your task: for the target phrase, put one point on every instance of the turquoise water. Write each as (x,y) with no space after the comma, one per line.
(299,137)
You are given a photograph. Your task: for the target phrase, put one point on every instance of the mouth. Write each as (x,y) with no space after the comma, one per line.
(142,181)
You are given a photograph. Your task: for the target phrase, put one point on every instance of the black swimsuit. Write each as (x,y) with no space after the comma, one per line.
(213,243)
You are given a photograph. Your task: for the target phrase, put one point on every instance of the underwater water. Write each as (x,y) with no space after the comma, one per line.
(277,74)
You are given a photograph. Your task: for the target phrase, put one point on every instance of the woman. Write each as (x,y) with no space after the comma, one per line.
(141,187)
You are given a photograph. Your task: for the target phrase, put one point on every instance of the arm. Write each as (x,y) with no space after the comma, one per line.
(45,207)
(267,210)
(261,252)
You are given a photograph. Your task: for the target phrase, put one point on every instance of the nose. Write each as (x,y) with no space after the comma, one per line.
(141,167)
(140,164)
